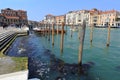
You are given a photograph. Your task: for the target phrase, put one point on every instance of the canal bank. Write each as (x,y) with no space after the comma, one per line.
(11,64)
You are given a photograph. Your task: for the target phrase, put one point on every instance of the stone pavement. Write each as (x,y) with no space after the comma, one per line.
(22,75)
(6,65)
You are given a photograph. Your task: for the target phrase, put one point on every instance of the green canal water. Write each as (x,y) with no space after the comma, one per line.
(106,59)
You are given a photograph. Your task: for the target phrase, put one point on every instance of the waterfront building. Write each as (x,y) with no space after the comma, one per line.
(77,17)
(81,16)
(34,23)
(104,18)
(95,17)
(110,18)
(11,16)
(1,19)
(117,22)
(48,19)
(59,19)
(71,18)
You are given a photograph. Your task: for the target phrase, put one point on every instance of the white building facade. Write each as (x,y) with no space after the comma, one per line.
(71,18)
(83,15)
(77,17)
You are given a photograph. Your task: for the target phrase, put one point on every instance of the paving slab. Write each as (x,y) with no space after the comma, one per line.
(21,75)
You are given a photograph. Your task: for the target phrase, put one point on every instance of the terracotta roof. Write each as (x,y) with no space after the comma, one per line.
(49,15)
(60,16)
(110,11)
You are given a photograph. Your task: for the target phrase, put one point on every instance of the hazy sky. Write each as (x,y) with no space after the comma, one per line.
(37,9)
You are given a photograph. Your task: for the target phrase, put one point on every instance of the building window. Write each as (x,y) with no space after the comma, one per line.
(79,20)
(118,24)
(95,20)
(2,11)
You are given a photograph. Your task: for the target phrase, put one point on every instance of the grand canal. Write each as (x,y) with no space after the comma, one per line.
(48,63)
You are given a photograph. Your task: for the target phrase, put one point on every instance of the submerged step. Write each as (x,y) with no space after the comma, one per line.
(5,35)
(6,41)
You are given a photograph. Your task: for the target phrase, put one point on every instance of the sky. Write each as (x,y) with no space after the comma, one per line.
(37,9)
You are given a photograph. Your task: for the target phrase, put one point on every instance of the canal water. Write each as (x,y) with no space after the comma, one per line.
(46,62)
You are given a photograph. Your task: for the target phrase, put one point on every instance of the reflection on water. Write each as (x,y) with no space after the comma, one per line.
(47,63)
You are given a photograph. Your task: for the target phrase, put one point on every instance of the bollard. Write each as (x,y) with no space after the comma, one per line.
(91,34)
(81,44)
(108,38)
(62,38)
(52,34)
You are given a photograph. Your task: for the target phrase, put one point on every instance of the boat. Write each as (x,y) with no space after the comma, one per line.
(36,28)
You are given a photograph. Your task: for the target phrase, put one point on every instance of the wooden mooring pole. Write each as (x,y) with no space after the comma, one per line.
(91,34)
(108,37)
(45,30)
(53,34)
(81,44)
(57,28)
(71,30)
(48,32)
(62,38)
(79,31)
(66,29)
